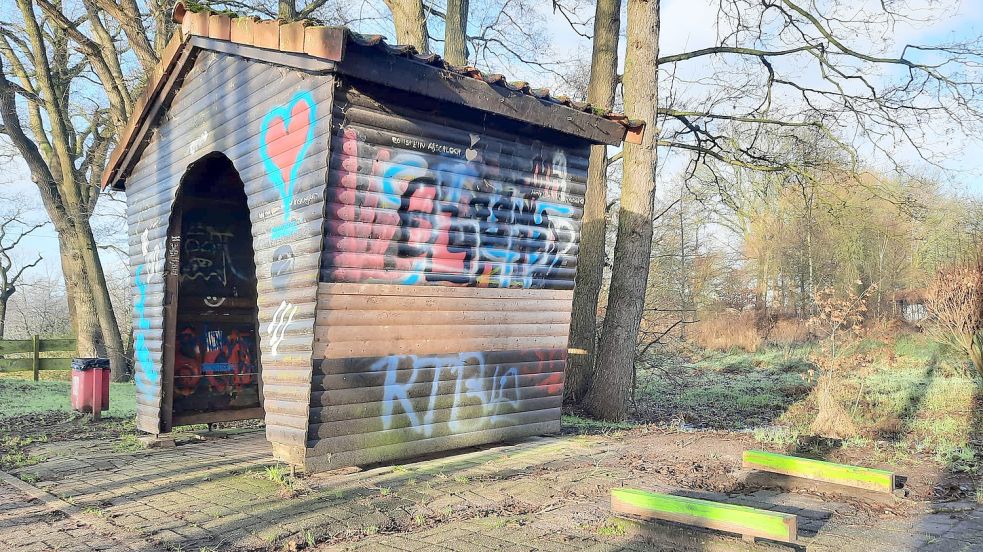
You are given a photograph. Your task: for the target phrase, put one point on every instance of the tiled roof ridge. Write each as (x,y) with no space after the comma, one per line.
(306,36)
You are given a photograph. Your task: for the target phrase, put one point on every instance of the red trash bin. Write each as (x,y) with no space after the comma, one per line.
(89,374)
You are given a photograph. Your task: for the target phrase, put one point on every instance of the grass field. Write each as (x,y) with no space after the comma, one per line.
(905,393)
(20,395)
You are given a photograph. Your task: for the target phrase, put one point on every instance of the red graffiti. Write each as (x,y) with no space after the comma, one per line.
(287,137)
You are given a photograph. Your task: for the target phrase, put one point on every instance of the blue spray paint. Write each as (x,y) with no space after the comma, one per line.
(147,376)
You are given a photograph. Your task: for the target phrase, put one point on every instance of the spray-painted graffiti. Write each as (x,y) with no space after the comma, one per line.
(147,375)
(213,359)
(214,367)
(282,318)
(495,388)
(281,267)
(285,136)
(153,257)
(415,218)
(207,254)
(456,393)
(215,260)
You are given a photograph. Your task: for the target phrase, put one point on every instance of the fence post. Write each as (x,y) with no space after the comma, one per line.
(36,364)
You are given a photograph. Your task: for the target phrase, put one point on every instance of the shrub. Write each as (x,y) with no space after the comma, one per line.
(727,330)
(955,302)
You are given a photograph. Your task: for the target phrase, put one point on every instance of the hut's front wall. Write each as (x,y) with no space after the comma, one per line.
(446,285)
(273,123)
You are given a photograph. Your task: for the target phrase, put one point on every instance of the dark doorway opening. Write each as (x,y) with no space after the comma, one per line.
(211,313)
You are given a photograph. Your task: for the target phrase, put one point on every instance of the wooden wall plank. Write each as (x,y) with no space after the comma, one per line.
(323,460)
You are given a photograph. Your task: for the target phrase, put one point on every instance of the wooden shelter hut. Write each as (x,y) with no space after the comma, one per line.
(372,250)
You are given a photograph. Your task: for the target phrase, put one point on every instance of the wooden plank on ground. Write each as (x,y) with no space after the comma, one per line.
(746,521)
(817,470)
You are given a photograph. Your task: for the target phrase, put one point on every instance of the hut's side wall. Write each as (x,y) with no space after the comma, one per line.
(450,252)
(273,123)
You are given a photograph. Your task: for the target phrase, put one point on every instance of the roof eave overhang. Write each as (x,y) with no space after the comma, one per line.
(375,65)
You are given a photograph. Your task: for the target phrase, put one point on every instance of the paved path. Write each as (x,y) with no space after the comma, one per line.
(540,494)
(30,524)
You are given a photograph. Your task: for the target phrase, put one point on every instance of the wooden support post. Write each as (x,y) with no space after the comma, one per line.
(36,365)
(97,394)
(817,470)
(743,520)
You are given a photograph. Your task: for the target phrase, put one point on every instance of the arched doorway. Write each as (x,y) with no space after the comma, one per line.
(211,353)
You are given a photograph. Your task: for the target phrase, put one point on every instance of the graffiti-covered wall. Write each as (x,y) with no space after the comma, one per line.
(450,251)
(273,123)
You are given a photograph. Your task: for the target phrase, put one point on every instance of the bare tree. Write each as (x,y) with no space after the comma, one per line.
(13,229)
(39,307)
(66,87)
(607,395)
(781,72)
(590,262)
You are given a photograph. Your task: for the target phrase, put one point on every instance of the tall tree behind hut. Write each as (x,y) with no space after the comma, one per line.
(456,32)
(410,21)
(761,87)
(607,394)
(590,267)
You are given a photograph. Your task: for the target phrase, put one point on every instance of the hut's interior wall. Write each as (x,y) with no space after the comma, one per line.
(273,124)
(215,361)
(446,284)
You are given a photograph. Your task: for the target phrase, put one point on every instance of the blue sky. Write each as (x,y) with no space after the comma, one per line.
(687,25)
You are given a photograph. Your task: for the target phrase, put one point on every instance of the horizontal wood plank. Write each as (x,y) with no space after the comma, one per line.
(27,364)
(442,291)
(319,458)
(817,470)
(742,520)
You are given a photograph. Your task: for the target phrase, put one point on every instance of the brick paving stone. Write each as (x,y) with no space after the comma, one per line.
(28,524)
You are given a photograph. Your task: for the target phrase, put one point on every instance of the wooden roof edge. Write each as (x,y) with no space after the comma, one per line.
(153,88)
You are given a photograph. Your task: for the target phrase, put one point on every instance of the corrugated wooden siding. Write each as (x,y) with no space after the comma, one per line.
(450,252)
(273,123)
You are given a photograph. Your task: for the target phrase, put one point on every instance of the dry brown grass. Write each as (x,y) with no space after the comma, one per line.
(789,331)
(723,331)
(832,420)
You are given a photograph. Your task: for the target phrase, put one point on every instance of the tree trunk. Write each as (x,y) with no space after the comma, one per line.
(4,297)
(86,245)
(287,10)
(82,309)
(607,396)
(456,32)
(411,23)
(590,262)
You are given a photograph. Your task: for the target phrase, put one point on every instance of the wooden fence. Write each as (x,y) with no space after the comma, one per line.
(35,362)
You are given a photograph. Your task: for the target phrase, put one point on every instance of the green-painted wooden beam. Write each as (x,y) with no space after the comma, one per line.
(840,474)
(743,520)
